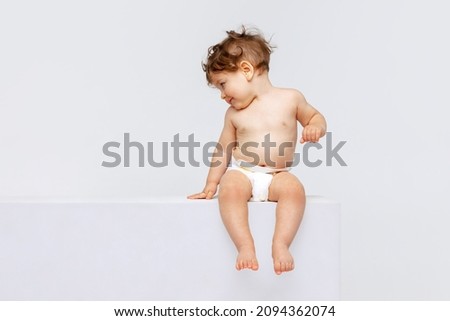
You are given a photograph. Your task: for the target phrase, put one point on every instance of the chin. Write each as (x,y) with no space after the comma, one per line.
(239,107)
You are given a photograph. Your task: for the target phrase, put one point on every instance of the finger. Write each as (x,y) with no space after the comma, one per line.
(304,136)
(312,136)
(308,135)
(197,196)
(209,195)
(316,139)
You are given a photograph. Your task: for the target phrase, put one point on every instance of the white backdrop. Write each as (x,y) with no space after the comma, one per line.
(75,75)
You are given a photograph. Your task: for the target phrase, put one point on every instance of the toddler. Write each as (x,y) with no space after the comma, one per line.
(257,144)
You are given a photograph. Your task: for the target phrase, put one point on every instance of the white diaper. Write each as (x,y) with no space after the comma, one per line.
(260,177)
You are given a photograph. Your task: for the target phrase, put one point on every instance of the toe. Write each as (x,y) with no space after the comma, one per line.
(277,267)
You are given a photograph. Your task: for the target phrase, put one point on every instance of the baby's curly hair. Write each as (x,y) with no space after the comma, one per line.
(247,45)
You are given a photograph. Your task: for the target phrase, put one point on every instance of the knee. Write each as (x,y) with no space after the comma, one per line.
(231,191)
(294,190)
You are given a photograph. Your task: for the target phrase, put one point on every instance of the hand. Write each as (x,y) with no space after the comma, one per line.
(311,133)
(208,192)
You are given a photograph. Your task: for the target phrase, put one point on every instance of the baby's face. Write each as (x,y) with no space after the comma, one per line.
(234,88)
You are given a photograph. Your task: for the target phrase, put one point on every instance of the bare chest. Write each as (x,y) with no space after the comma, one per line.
(264,119)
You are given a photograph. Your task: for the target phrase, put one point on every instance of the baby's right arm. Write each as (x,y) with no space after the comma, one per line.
(220,159)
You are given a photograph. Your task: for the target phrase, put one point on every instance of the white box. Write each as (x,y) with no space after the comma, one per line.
(169,249)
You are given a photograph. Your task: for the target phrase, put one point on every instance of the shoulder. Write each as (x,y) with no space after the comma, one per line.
(293,95)
(230,112)
(230,116)
(290,93)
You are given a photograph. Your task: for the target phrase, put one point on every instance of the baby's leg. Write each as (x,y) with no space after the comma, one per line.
(287,190)
(235,190)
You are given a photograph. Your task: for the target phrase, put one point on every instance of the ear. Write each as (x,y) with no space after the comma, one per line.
(247,69)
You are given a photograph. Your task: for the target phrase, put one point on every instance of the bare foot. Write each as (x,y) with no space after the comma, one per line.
(282,258)
(246,259)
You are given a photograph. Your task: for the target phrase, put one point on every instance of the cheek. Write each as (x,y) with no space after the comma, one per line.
(229,91)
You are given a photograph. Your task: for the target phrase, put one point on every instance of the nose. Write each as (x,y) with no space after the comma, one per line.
(222,95)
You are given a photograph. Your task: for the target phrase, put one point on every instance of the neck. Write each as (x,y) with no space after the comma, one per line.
(262,84)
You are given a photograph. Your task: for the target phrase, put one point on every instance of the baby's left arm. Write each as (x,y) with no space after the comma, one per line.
(313,122)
